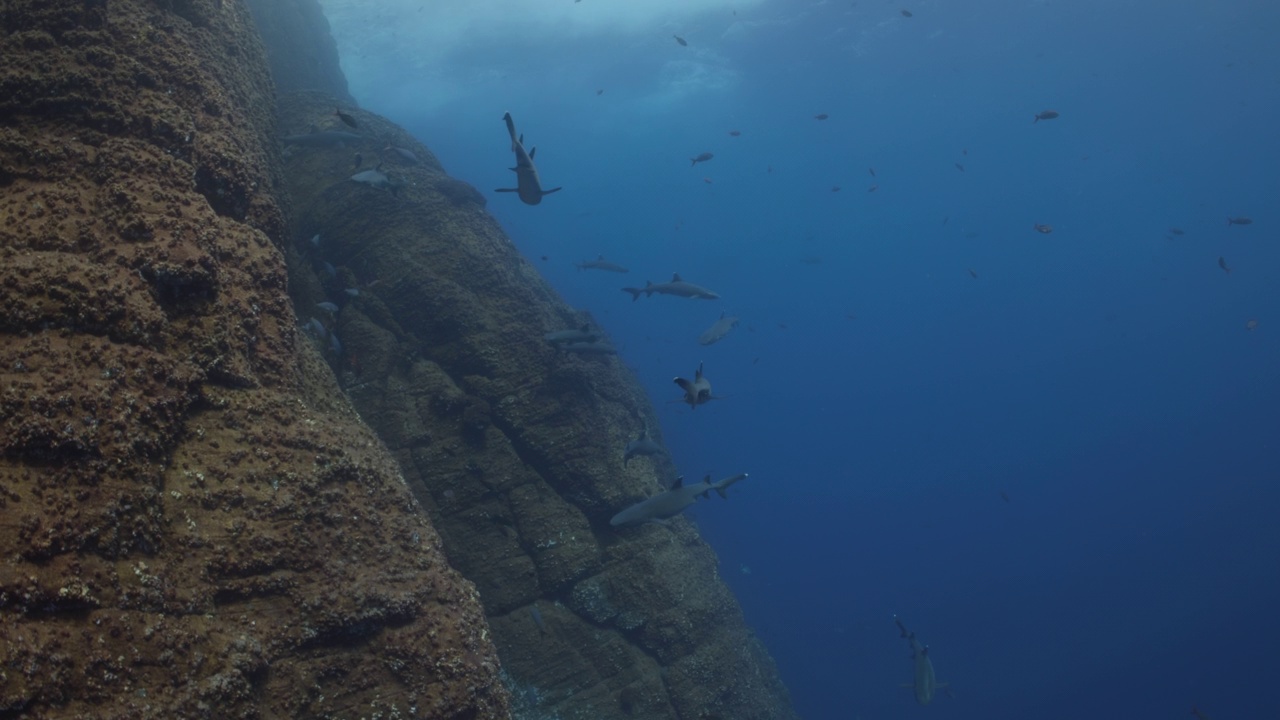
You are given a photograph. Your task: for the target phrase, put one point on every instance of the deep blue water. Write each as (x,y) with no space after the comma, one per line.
(1102,377)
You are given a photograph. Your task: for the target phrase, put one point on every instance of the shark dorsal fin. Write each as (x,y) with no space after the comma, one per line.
(313,129)
(532,153)
(675,277)
(648,283)
(699,374)
(679,483)
(707,480)
(586,327)
(644,434)
(600,257)
(722,312)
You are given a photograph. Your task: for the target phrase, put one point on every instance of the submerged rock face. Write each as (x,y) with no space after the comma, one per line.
(300,49)
(195,523)
(514,446)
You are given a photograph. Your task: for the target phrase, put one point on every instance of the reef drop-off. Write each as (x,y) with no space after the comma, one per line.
(194,523)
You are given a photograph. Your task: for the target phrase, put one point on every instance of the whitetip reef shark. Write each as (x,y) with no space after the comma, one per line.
(643,445)
(677,287)
(697,392)
(528,186)
(925,682)
(669,503)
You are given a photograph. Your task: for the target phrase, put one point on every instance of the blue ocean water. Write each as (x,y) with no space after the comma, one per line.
(1061,473)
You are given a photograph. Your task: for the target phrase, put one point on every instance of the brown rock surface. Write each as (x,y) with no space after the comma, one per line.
(193,521)
(515,447)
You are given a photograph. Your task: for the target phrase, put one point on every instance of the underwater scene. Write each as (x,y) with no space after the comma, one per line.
(990,318)
(632,360)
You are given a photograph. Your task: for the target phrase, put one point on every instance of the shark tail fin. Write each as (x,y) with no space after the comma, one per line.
(548,192)
(635,293)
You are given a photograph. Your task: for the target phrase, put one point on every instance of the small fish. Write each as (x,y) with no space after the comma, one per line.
(1045,115)
(345,118)
(352,292)
(357,161)
(1251,325)
(821,116)
(680,40)
(1239,221)
(327,306)
(315,240)
(946,219)
(1177,231)
(872,171)
(973,274)
(536,614)
(959,167)
(1199,715)
(735,133)
(835,188)
(707,180)
(1222,263)
(600,91)
(702,157)
(906,13)
(1005,496)
(329,270)
(1046,229)
(873,188)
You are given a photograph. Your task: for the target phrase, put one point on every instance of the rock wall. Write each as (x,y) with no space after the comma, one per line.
(434,324)
(193,521)
(300,49)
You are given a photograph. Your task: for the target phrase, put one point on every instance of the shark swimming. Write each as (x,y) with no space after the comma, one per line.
(528,186)
(925,682)
(672,502)
(642,445)
(697,392)
(716,332)
(583,334)
(600,264)
(677,287)
(322,139)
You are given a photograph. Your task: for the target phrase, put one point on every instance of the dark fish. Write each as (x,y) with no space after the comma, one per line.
(973,274)
(1005,496)
(1239,221)
(703,157)
(600,91)
(735,133)
(946,219)
(707,180)
(821,116)
(359,160)
(835,188)
(1045,115)
(1222,263)
(906,13)
(680,40)
(1177,231)
(345,118)
(1251,325)
(959,167)
(964,151)
(1046,229)
(872,171)
(873,188)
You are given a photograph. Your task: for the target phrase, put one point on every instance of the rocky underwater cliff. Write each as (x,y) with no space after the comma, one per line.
(250,406)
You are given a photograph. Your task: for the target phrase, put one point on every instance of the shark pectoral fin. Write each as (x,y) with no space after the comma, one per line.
(531,152)
(685,385)
(548,192)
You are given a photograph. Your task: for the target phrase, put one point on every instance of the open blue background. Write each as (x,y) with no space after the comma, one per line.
(1101,377)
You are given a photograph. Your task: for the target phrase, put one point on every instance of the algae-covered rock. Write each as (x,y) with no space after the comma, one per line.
(515,447)
(195,522)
